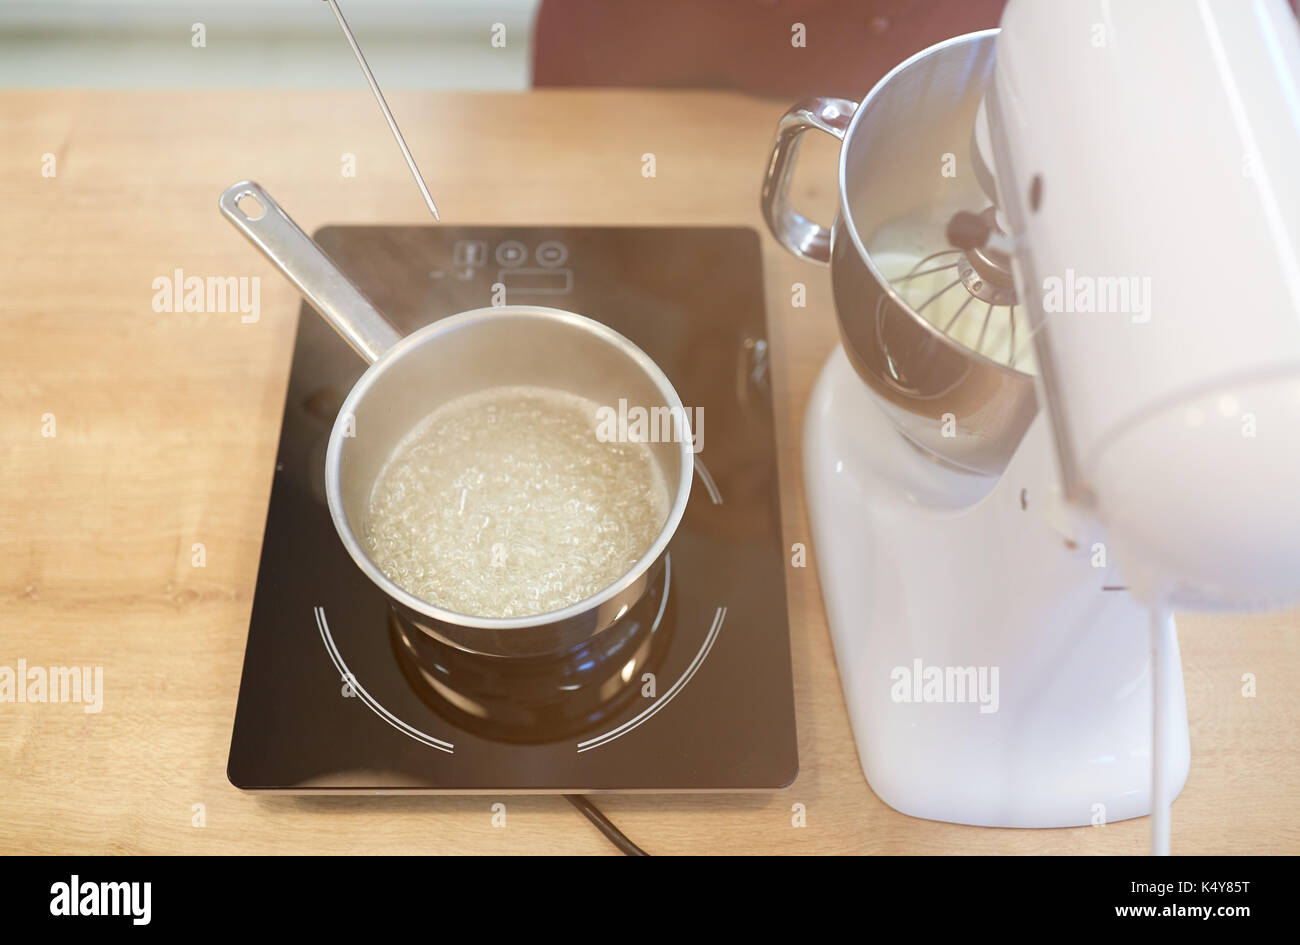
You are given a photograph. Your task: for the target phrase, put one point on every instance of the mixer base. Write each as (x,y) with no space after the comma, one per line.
(995,675)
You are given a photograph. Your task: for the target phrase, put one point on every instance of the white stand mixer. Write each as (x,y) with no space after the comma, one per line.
(998,668)
(959,570)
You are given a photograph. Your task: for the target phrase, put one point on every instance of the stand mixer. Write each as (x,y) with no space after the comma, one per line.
(1026,218)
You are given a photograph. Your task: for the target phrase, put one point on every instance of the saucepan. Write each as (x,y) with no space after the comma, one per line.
(411,376)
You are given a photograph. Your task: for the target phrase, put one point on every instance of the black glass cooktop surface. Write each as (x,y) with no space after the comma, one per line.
(328,703)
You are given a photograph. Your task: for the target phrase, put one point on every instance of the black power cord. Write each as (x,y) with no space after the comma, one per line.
(604,825)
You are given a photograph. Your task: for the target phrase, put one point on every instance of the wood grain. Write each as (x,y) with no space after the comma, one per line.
(166,434)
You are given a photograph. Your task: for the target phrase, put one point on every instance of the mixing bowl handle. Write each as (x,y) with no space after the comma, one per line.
(796,232)
(296,255)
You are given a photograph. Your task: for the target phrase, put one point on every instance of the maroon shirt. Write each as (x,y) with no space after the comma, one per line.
(744,44)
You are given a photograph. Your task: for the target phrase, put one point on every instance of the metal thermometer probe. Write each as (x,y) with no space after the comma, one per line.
(383,106)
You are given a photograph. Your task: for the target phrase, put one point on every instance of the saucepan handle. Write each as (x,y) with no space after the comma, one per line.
(796,232)
(321,283)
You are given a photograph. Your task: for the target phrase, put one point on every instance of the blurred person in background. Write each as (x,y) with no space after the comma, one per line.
(746,45)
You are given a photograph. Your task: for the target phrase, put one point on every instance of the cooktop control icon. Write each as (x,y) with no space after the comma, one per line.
(552,253)
(471,253)
(511,253)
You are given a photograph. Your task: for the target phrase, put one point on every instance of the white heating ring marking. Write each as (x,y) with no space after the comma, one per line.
(337,659)
(668,586)
(718,617)
(709,485)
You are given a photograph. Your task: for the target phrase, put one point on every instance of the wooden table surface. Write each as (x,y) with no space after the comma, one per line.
(166,429)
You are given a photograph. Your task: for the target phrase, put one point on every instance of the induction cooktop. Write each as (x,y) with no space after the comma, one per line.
(328,701)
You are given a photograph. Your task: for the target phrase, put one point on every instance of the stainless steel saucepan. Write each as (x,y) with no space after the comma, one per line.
(411,376)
